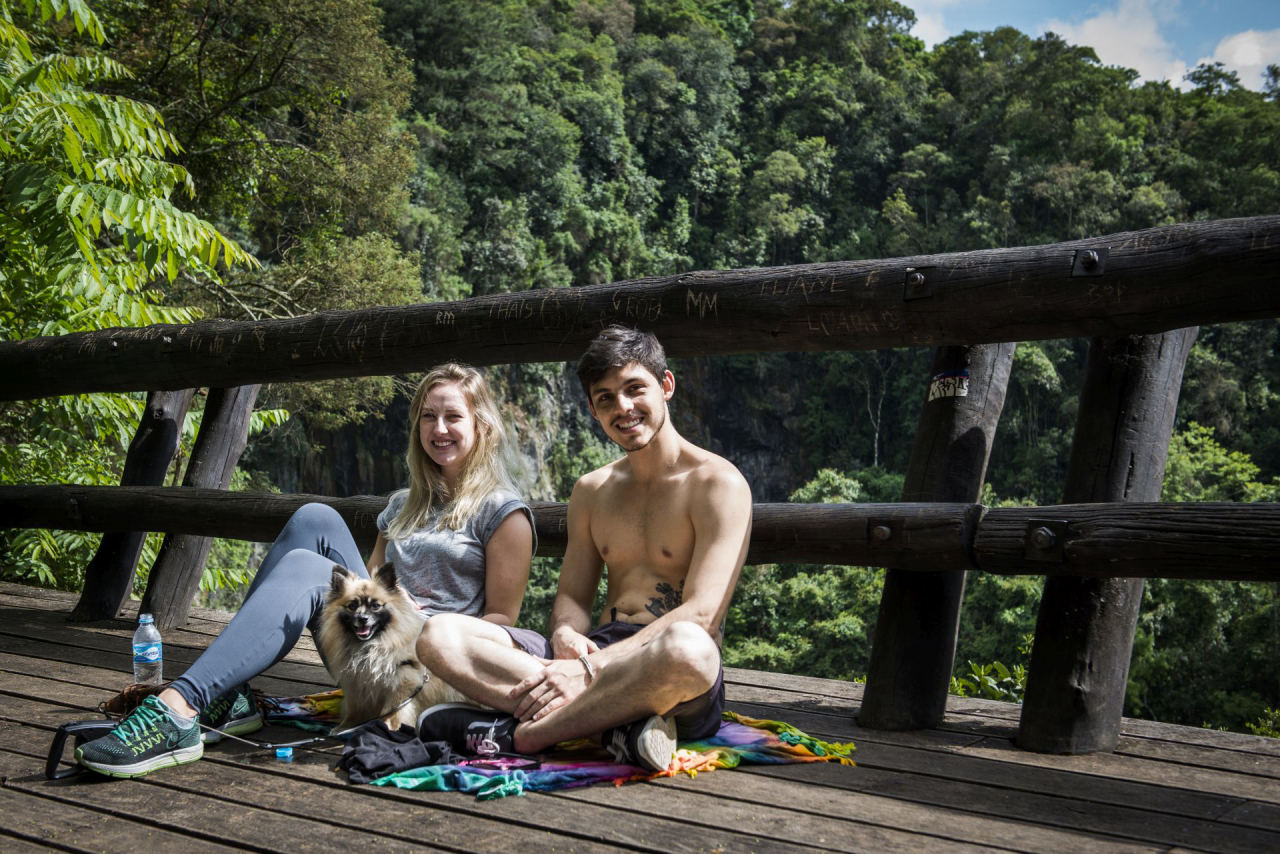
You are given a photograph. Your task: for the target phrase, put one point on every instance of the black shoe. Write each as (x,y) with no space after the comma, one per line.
(649,743)
(234,713)
(467,729)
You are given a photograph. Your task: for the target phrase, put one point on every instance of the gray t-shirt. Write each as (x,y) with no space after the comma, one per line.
(443,569)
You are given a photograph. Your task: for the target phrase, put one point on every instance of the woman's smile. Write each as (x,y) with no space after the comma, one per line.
(447,428)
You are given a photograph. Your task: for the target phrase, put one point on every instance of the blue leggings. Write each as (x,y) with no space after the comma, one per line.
(287,595)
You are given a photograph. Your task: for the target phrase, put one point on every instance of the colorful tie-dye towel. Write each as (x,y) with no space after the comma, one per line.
(573,764)
(314,712)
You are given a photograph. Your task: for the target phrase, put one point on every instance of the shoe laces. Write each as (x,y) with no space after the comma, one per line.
(617,746)
(483,745)
(141,720)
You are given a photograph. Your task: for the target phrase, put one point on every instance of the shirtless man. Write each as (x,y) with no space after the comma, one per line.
(672,522)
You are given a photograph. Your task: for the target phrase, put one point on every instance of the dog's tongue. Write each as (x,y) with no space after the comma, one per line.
(364,633)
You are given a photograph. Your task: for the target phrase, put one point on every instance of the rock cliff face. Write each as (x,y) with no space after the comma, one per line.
(358,459)
(744,408)
(748,410)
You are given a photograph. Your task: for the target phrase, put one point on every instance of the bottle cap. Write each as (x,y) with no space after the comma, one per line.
(145,618)
(284,754)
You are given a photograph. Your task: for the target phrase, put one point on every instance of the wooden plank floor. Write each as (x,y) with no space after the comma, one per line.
(958,789)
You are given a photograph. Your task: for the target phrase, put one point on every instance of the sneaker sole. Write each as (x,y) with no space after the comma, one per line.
(243,726)
(140,769)
(656,743)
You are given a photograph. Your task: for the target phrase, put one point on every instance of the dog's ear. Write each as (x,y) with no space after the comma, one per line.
(386,576)
(338,584)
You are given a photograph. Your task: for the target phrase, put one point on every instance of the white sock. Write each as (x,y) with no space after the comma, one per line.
(183,721)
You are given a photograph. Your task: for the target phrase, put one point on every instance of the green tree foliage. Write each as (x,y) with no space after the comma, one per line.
(1200,469)
(92,239)
(87,220)
(829,487)
(806,619)
(562,144)
(1268,722)
(289,115)
(992,681)
(1207,651)
(1204,651)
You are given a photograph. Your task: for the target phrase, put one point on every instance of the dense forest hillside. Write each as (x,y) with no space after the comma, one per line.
(408,150)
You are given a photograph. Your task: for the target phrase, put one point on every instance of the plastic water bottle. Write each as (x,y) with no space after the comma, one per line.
(148,652)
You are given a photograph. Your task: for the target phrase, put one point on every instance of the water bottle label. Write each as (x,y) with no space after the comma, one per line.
(146,653)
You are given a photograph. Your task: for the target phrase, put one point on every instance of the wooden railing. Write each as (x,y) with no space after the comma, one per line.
(1216,541)
(1140,294)
(1149,281)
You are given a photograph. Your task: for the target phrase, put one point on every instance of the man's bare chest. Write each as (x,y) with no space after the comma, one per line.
(654,532)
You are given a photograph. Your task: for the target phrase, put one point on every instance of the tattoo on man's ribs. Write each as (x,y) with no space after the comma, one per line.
(669,599)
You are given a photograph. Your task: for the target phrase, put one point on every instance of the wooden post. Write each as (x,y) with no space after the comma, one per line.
(224,432)
(1084,631)
(108,578)
(915,637)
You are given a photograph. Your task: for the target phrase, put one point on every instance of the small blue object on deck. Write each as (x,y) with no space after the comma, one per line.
(284,754)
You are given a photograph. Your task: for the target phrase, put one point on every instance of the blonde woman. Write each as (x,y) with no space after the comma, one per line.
(460,538)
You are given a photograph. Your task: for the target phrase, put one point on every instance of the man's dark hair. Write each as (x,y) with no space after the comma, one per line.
(615,347)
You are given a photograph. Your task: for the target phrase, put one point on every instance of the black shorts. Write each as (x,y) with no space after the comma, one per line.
(696,719)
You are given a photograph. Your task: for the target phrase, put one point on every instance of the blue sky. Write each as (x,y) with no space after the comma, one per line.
(1162,39)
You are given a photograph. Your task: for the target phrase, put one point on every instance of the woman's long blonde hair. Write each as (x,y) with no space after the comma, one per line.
(485,470)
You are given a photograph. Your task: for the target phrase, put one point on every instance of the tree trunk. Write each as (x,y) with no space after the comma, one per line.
(915,637)
(108,578)
(1084,631)
(224,432)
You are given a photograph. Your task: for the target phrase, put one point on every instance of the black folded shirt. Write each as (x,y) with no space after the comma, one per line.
(375,751)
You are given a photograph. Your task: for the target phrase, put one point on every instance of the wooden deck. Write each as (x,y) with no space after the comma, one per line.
(960,788)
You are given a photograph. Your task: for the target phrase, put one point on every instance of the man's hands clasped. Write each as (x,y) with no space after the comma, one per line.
(561,679)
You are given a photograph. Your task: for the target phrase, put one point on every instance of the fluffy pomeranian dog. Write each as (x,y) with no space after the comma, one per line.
(369,634)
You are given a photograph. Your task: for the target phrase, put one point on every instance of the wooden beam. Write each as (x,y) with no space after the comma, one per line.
(1222,541)
(909,536)
(224,433)
(915,638)
(108,579)
(799,533)
(1147,281)
(1235,542)
(1079,668)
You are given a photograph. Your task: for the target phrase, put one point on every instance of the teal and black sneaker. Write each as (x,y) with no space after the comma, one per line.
(233,713)
(145,740)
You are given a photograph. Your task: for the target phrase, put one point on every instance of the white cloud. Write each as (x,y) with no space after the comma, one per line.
(1247,54)
(931,26)
(1129,36)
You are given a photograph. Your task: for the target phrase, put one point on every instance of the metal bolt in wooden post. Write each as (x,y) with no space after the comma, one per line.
(915,636)
(108,579)
(1084,631)
(224,432)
